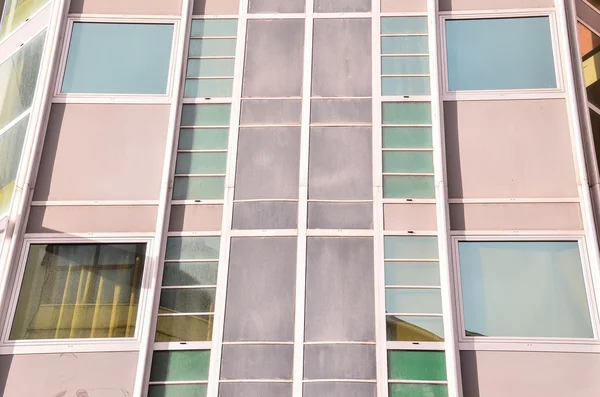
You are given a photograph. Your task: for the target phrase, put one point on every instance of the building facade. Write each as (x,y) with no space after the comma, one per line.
(299,198)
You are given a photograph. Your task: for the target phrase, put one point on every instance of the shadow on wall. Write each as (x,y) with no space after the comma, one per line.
(469,372)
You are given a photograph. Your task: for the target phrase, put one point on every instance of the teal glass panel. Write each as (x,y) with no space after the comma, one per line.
(193,390)
(414,328)
(408,162)
(408,186)
(212,48)
(118,58)
(214,28)
(417,365)
(404,45)
(201,163)
(190,273)
(391,25)
(530,289)
(11,149)
(407,137)
(180,365)
(417,390)
(406,113)
(192,248)
(187,300)
(411,247)
(206,115)
(500,54)
(191,328)
(405,86)
(199,188)
(412,273)
(208,88)
(203,138)
(405,65)
(210,67)
(413,300)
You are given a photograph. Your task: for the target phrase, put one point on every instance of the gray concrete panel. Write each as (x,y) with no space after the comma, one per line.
(275,6)
(343,6)
(340,215)
(342,361)
(257,362)
(255,390)
(341,111)
(265,215)
(340,389)
(271,111)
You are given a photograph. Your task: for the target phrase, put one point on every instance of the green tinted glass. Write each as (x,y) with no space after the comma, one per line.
(405,86)
(208,88)
(199,188)
(412,273)
(417,390)
(408,162)
(404,45)
(187,300)
(203,138)
(206,115)
(408,186)
(210,67)
(407,137)
(417,365)
(398,25)
(214,28)
(405,65)
(179,365)
(212,48)
(413,300)
(177,390)
(190,273)
(192,248)
(201,163)
(406,113)
(184,328)
(410,247)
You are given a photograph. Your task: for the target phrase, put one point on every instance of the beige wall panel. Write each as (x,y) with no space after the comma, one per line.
(528,374)
(470,5)
(103,152)
(403,5)
(216,7)
(129,7)
(92,219)
(195,218)
(68,374)
(509,149)
(528,216)
(409,217)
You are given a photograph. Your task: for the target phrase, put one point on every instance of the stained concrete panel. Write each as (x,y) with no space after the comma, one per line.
(342,361)
(323,215)
(275,6)
(271,111)
(255,389)
(257,362)
(339,389)
(341,111)
(343,6)
(265,215)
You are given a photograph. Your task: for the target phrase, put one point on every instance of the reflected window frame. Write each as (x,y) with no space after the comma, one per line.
(115,98)
(20,346)
(524,343)
(506,94)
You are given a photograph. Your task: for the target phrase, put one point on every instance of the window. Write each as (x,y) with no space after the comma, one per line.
(181,373)
(500,54)
(16,12)
(529,289)
(11,147)
(118,58)
(79,291)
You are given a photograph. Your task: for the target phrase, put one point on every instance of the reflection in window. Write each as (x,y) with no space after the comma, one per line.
(11,146)
(16,12)
(589,45)
(79,291)
(524,289)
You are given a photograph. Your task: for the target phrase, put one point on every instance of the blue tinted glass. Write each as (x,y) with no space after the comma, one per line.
(116,58)
(214,28)
(404,45)
(391,25)
(500,53)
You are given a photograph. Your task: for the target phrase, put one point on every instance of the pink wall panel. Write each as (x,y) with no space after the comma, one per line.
(409,217)
(129,7)
(196,218)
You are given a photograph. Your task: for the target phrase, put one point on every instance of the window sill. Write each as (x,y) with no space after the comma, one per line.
(69,346)
(541,345)
(117,99)
(502,95)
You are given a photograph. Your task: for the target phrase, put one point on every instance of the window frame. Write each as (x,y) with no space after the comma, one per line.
(60,97)
(25,346)
(524,343)
(557,49)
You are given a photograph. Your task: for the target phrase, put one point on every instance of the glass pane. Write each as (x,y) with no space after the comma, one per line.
(398,186)
(404,45)
(203,138)
(205,115)
(11,148)
(412,273)
(214,27)
(416,365)
(68,292)
(405,65)
(417,390)
(405,86)
(208,88)
(201,163)
(192,248)
(190,273)
(410,247)
(406,113)
(17,12)
(187,300)
(415,328)
(500,54)
(391,25)
(199,188)
(547,293)
(427,301)
(184,328)
(407,137)
(179,365)
(212,47)
(118,58)
(18,79)
(178,390)
(210,67)
(408,162)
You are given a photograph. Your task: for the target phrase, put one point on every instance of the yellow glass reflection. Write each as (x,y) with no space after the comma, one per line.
(193,328)
(16,12)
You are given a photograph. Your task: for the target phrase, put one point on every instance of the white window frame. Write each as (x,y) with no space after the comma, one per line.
(557,49)
(60,97)
(29,346)
(525,343)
